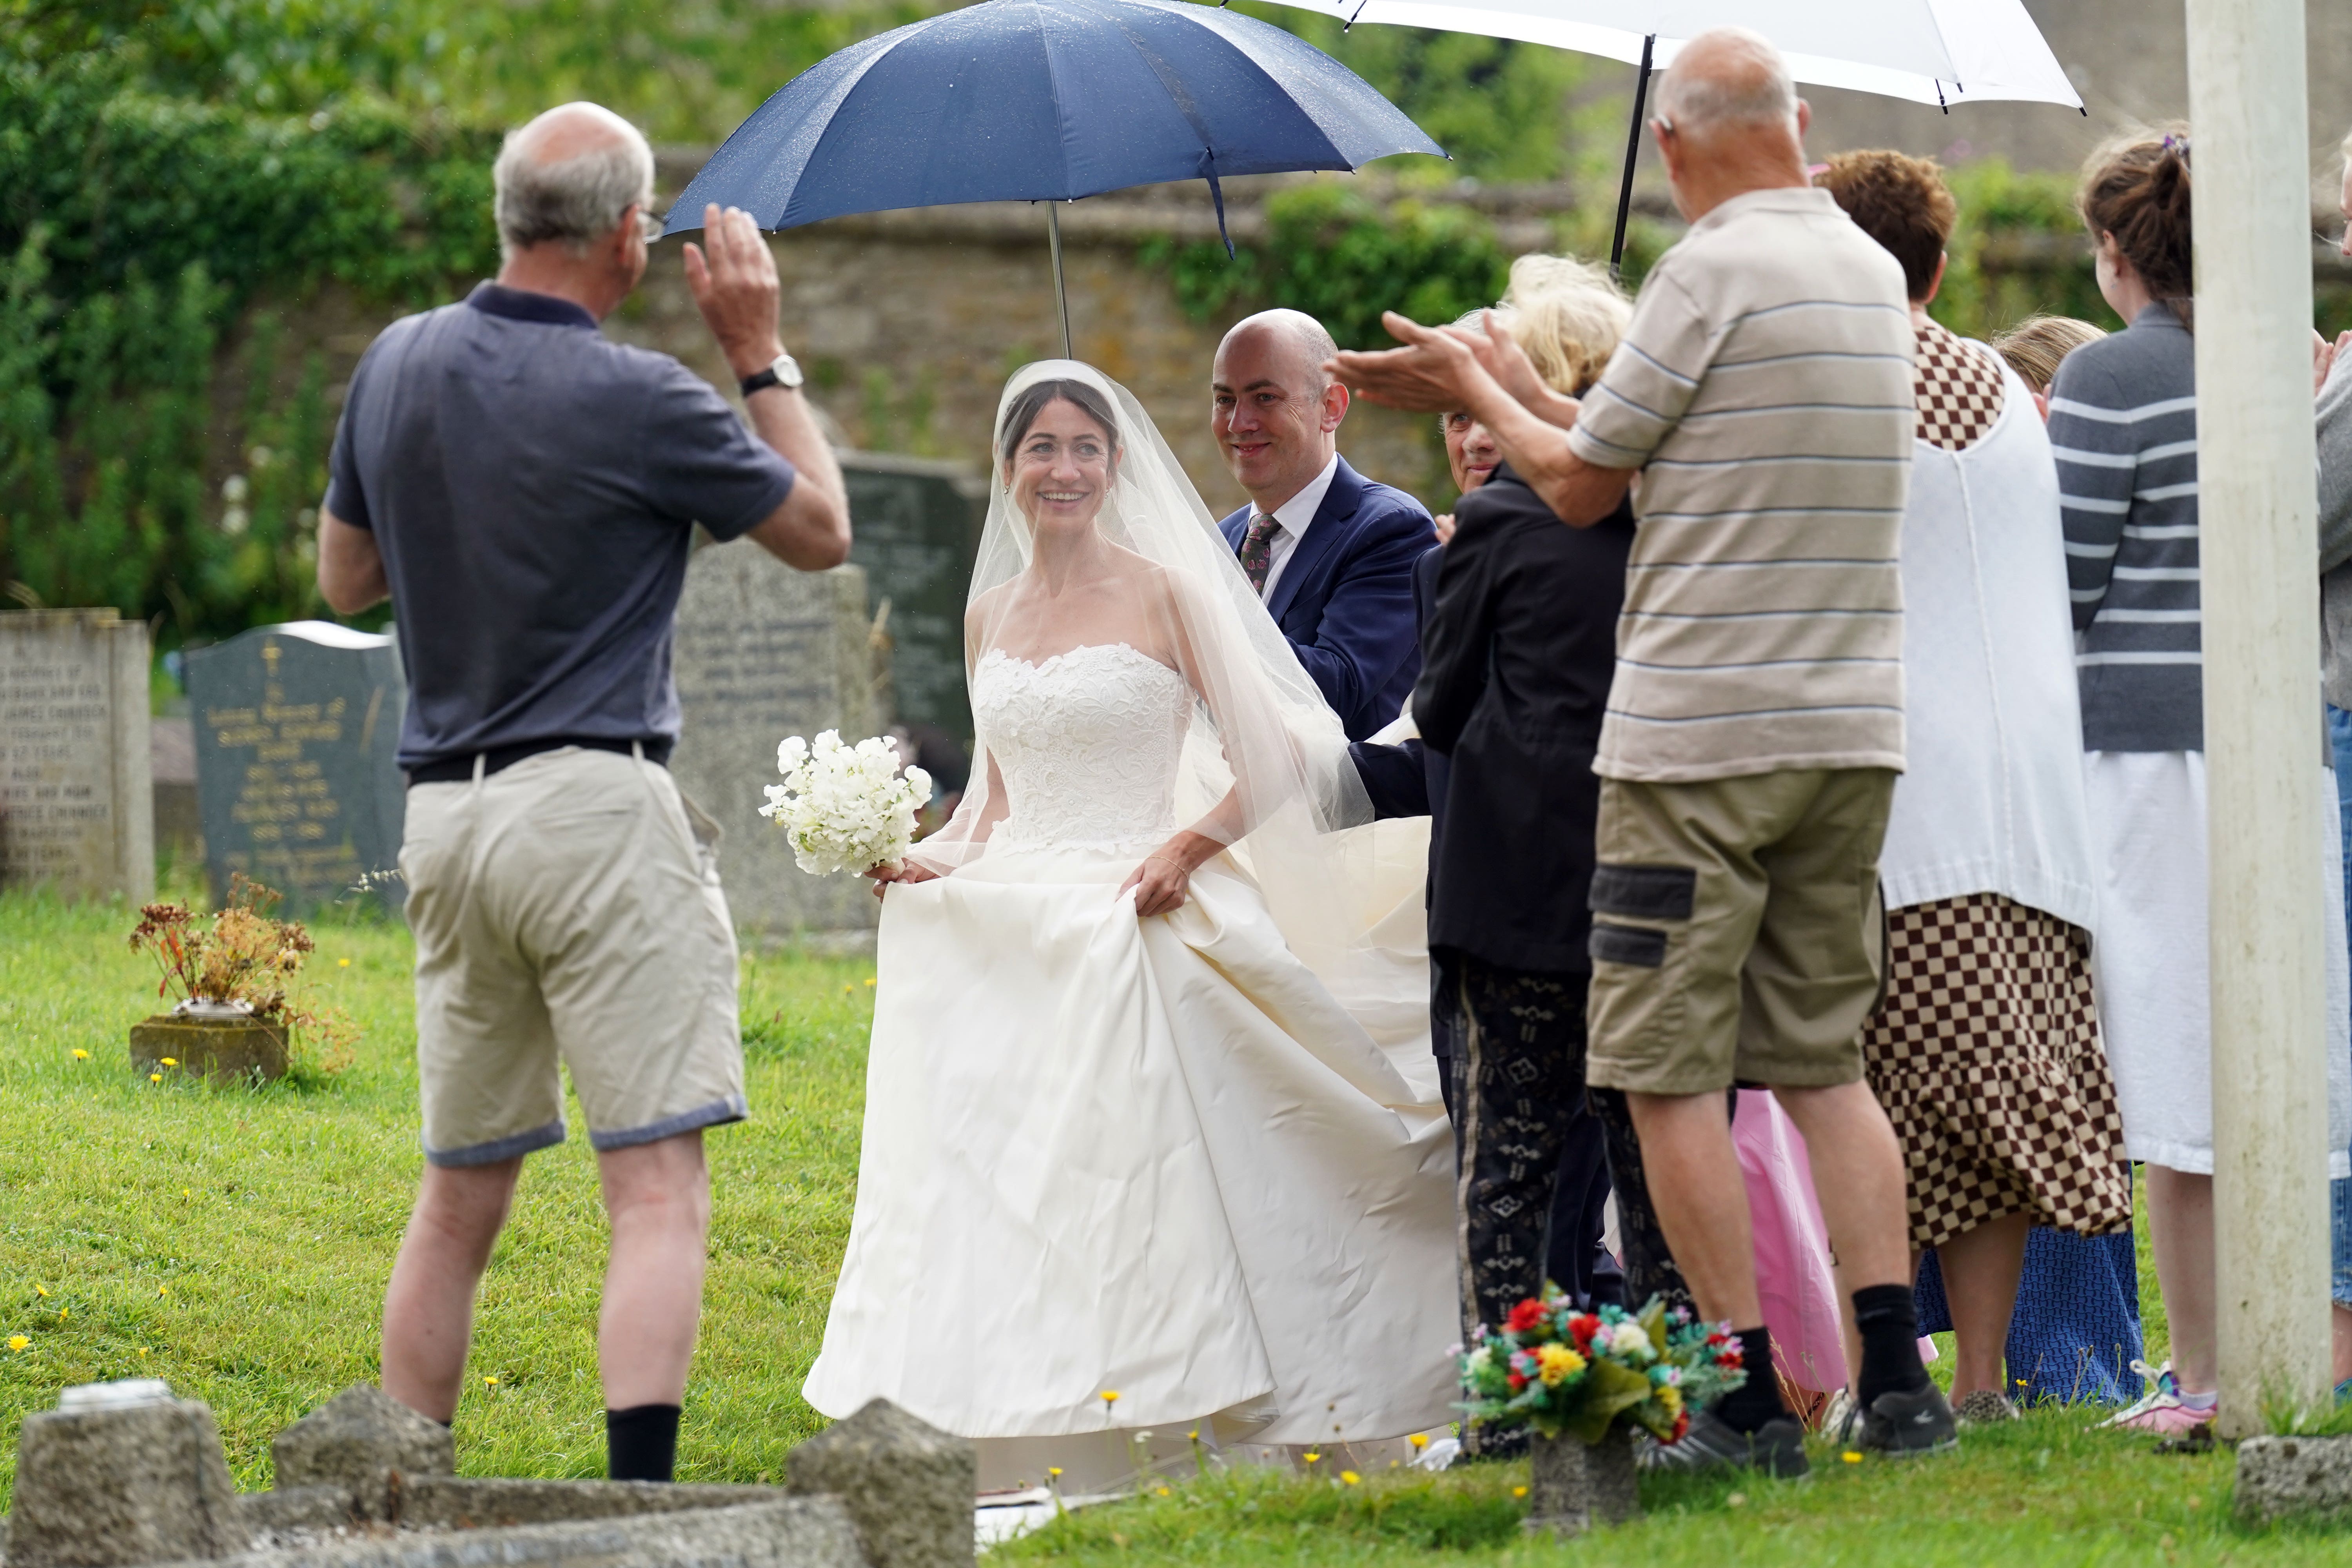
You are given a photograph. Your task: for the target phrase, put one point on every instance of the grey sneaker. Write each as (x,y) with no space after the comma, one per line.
(1777,1449)
(1903,1426)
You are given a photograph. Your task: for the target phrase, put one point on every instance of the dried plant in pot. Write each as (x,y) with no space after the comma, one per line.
(1584,1384)
(227,975)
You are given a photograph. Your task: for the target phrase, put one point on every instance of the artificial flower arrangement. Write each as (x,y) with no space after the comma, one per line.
(1578,1374)
(847,808)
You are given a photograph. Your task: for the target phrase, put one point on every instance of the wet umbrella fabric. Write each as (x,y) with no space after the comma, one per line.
(1046,100)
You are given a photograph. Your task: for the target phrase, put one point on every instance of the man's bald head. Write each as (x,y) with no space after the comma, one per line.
(1297,342)
(568,176)
(1276,411)
(1726,78)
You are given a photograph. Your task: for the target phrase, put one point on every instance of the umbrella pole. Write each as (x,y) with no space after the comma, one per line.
(1633,150)
(1061,295)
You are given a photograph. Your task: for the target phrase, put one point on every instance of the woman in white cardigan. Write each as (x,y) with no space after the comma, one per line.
(1986,1050)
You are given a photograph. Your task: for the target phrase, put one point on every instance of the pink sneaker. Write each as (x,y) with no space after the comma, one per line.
(2160,1410)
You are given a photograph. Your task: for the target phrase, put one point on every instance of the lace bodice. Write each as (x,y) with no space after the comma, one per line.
(1086,742)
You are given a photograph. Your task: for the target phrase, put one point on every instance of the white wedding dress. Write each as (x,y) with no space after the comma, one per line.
(1152,1158)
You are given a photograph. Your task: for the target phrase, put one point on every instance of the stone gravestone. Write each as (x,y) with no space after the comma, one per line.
(297,735)
(77,807)
(915,527)
(762,652)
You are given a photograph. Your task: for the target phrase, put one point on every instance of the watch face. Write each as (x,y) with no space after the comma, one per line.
(788,370)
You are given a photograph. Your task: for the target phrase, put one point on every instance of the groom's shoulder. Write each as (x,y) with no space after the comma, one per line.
(1383,511)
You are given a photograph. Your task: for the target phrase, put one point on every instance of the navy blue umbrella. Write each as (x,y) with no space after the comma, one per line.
(1047,100)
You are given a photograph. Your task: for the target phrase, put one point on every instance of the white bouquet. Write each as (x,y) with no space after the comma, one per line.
(848,808)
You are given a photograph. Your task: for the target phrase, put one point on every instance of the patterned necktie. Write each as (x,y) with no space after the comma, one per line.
(1257,550)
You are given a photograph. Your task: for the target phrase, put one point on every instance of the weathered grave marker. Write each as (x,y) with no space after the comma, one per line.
(916,528)
(764,652)
(76,807)
(298,732)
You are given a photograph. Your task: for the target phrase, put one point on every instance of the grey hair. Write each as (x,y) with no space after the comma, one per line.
(577,200)
(1761,94)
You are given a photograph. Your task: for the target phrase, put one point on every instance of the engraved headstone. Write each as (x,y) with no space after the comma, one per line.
(916,527)
(763,652)
(76,807)
(298,736)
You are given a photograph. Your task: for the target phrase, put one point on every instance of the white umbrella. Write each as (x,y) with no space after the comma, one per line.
(1931,51)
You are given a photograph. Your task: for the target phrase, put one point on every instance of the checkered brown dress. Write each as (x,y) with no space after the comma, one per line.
(1959,389)
(1986,1055)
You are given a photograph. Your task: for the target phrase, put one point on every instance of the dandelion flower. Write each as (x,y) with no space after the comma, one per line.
(81,1055)
(342,963)
(1518,1491)
(155,1077)
(1311,1455)
(1163,1491)
(1419,1439)
(1193,1436)
(169,1061)
(1350,1477)
(17,1341)
(490,1383)
(143,1353)
(187,1193)
(1850,1456)
(1054,1471)
(41,1290)
(163,1290)
(869,982)
(1111,1396)
(61,1313)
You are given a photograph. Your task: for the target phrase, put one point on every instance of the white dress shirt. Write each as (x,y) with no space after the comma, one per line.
(1293,518)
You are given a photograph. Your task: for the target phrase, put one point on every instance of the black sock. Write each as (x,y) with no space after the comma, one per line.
(1888,1320)
(1757,1400)
(641,1443)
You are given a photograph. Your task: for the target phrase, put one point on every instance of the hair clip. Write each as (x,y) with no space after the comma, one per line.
(2175,143)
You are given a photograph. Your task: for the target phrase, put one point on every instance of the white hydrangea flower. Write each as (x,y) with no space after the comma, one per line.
(846,808)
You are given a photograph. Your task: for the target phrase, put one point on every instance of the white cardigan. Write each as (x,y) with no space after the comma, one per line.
(1991,801)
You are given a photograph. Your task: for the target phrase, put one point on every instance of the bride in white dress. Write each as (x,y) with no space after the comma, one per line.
(1152,1139)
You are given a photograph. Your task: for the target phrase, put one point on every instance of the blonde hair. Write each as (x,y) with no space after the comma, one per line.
(1567,316)
(2036,345)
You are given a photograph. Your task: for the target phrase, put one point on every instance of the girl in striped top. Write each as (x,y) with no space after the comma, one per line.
(2123,428)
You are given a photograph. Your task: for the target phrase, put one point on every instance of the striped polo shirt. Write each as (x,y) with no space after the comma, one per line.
(2123,425)
(1764,389)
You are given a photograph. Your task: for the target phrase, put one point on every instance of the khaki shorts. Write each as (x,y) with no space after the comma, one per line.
(1737,935)
(568,908)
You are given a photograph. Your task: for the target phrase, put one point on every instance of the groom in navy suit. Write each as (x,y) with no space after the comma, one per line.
(1331,552)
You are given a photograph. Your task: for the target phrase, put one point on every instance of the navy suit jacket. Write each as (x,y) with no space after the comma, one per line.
(1345,597)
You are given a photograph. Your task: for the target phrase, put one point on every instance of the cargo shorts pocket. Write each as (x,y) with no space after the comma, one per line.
(1639,1010)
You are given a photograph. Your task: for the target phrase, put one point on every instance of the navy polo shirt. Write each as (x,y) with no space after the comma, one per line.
(533,489)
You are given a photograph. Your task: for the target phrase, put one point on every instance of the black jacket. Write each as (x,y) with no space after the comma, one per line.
(1516,666)
(1408,780)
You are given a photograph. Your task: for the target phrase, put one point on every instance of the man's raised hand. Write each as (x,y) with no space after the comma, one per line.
(1426,376)
(734,285)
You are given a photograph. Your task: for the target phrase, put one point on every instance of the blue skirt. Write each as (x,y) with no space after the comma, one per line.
(2075,1331)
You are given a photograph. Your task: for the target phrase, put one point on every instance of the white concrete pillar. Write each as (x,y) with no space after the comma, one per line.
(2258,518)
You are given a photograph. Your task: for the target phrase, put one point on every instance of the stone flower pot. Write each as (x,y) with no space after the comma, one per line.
(226,1048)
(1577,1485)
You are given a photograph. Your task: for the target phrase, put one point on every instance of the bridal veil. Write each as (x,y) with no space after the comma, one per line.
(1264,769)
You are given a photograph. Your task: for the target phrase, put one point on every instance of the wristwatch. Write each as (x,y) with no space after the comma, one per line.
(784,372)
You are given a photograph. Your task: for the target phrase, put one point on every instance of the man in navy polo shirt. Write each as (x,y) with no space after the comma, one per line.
(526,493)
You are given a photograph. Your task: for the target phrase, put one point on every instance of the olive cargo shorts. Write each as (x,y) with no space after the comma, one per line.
(1737,933)
(568,908)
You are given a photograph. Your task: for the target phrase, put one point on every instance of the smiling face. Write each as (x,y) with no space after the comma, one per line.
(1470,451)
(1062,467)
(1273,414)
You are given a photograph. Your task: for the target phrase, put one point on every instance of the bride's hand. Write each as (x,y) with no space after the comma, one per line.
(1162,882)
(905,872)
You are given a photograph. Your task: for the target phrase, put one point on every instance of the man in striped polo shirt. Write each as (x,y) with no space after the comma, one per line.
(1755,728)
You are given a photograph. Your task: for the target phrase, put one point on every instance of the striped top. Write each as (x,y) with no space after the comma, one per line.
(2123,425)
(1764,388)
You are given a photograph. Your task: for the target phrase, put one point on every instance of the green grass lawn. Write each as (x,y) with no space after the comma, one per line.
(236,1242)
